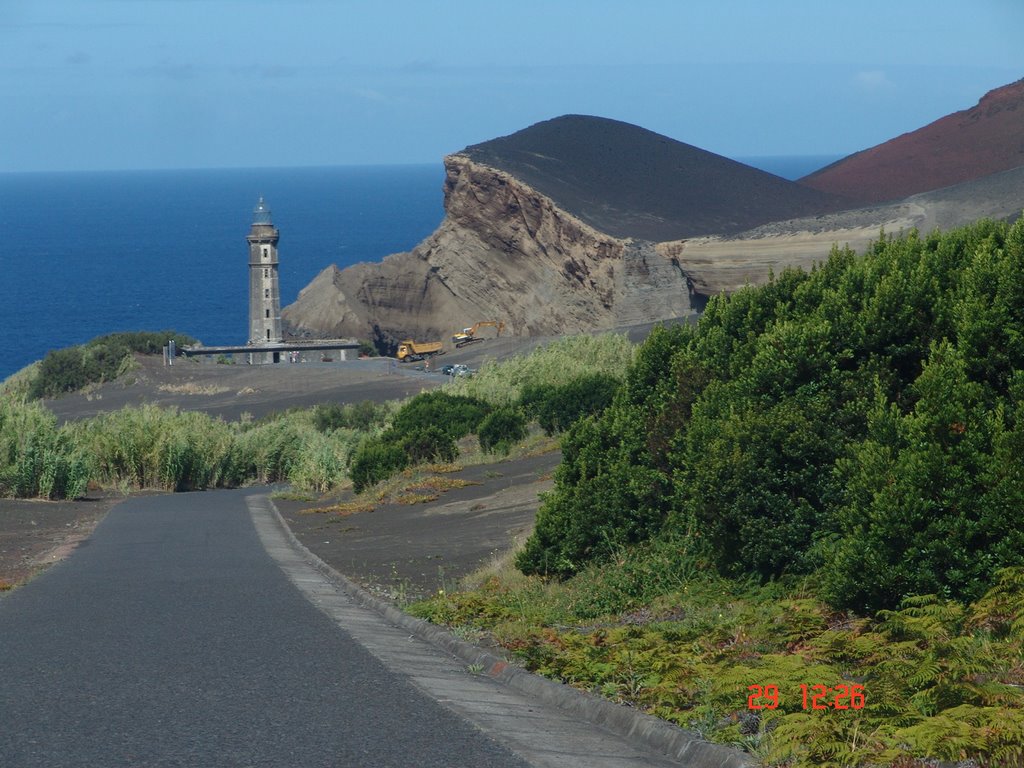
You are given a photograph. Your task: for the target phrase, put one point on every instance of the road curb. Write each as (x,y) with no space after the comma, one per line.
(646,730)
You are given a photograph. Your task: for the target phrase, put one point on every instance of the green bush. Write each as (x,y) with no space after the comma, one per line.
(603,501)
(101,359)
(557,407)
(534,397)
(932,498)
(501,429)
(429,444)
(364,416)
(374,461)
(424,429)
(860,422)
(62,370)
(457,415)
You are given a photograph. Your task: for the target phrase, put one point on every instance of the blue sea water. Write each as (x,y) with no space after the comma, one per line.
(84,254)
(790,167)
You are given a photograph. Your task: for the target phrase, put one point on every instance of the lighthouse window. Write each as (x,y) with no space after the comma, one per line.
(266,273)
(268,312)
(266,253)
(268,334)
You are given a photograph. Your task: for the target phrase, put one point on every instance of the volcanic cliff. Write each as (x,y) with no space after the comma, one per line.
(582,223)
(552,230)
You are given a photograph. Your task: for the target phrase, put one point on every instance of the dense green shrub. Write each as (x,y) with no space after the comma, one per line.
(605,499)
(143,342)
(101,359)
(859,422)
(365,415)
(457,415)
(501,429)
(557,407)
(609,490)
(931,498)
(429,444)
(376,460)
(532,398)
(62,370)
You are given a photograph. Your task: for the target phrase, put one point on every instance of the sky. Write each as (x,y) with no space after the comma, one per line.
(145,84)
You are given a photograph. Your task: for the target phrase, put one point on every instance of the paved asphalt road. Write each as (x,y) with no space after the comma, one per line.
(172,639)
(188,631)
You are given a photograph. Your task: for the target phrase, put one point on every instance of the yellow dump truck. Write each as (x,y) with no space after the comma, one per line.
(410,350)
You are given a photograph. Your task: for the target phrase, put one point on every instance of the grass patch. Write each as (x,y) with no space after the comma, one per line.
(343,508)
(302,496)
(192,388)
(417,498)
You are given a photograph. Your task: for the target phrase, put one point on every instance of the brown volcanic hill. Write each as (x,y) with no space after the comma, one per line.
(966,145)
(629,182)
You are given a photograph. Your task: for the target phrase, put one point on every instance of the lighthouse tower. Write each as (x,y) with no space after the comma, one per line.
(264,293)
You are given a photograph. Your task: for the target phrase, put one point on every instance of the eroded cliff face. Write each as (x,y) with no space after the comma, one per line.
(503,252)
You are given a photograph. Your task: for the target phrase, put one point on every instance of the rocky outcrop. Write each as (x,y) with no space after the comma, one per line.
(580,224)
(505,252)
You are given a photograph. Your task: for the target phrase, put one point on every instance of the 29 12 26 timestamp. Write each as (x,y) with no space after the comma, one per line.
(812,696)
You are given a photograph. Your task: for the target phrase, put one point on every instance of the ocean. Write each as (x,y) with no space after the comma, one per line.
(84,254)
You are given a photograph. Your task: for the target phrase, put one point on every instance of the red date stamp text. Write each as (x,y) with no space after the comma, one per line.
(812,697)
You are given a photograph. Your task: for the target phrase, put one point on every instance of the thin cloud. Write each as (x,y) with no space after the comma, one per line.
(78,59)
(873,81)
(371,95)
(279,72)
(170,71)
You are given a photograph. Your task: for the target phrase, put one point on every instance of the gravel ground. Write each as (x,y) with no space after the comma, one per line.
(408,551)
(34,534)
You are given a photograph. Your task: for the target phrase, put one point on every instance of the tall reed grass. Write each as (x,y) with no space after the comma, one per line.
(36,458)
(556,364)
(152,447)
(163,448)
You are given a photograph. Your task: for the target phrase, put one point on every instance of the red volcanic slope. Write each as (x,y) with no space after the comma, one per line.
(976,142)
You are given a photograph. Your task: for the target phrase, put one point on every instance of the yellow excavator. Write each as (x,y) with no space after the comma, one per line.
(468,335)
(410,350)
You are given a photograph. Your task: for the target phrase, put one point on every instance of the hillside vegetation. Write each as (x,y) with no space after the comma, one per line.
(819,485)
(322,449)
(104,358)
(862,422)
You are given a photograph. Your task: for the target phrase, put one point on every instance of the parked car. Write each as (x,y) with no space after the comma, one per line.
(447,370)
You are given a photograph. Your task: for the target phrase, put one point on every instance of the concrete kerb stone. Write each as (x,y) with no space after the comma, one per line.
(656,735)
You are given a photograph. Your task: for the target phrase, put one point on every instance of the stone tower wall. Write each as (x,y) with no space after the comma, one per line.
(264,286)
